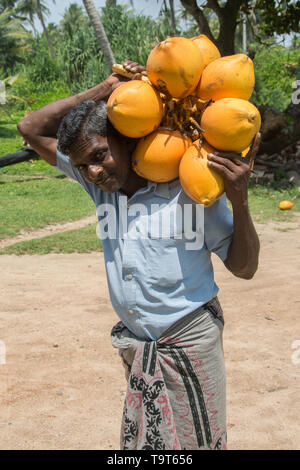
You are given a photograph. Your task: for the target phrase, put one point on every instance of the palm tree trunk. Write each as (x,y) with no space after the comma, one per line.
(173,19)
(99,31)
(41,18)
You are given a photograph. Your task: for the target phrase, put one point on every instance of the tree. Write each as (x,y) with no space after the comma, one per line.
(173,18)
(13,39)
(278,16)
(40,15)
(73,18)
(100,32)
(26,10)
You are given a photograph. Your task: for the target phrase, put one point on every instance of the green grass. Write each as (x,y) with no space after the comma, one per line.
(82,240)
(35,167)
(10,139)
(264,200)
(30,203)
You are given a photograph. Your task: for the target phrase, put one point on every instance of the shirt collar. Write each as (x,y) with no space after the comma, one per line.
(161,189)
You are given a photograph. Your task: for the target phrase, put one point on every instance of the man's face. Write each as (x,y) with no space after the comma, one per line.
(104,161)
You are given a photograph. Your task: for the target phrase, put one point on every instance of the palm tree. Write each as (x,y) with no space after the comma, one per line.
(73,18)
(40,15)
(27,8)
(173,18)
(13,38)
(7,4)
(100,32)
(32,8)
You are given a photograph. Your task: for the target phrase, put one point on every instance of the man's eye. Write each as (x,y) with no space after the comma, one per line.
(81,167)
(100,156)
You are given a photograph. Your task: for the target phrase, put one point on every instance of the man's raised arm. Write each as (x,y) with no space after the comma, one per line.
(39,129)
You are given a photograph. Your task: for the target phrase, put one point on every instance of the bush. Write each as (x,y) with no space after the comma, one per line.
(275,69)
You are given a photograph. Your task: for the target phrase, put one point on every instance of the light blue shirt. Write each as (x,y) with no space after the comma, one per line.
(156,273)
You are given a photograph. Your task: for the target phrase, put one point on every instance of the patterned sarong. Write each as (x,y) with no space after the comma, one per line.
(176,396)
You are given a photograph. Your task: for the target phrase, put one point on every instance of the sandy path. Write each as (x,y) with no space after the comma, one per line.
(62,386)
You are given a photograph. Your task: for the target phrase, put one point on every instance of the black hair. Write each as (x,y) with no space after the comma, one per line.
(84,120)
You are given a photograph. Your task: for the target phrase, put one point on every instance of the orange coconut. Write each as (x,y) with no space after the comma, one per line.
(231,124)
(208,49)
(135,108)
(157,156)
(201,183)
(175,64)
(227,77)
(285,205)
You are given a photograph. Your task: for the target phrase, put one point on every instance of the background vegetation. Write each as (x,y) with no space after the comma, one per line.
(56,60)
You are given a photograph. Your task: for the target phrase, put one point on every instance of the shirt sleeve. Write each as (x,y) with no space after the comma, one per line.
(65,166)
(218,227)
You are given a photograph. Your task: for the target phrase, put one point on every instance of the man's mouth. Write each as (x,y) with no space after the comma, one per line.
(104,181)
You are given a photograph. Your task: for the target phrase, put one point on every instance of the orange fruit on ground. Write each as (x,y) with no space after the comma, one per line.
(285,205)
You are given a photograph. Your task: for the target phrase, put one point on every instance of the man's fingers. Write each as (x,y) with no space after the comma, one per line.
(223,170)
(226,162)
(133,67)
(137,76)
(234,157)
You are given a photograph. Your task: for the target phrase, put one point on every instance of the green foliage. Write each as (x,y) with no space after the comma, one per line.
(39,67)
(80,60)
(275,70)
(133,36)
(13,40)
(279,17)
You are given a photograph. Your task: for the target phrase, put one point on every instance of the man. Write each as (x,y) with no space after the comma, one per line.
(162,288)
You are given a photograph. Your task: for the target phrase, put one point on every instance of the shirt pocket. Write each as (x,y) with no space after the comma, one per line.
(163,265)
(163,257)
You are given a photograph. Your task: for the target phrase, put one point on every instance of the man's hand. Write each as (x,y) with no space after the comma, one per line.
(116,80)
(235,171)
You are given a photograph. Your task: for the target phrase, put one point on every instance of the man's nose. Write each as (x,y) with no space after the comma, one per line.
(94,171)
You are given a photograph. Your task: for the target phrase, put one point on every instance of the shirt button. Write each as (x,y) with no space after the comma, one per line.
(131,311)
(129,277)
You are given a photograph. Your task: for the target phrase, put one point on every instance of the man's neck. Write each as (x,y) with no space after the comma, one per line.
(133,184)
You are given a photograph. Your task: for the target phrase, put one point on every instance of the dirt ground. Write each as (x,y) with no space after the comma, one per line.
(62,386)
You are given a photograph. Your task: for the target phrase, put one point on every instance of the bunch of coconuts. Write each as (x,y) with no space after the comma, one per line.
(192,102)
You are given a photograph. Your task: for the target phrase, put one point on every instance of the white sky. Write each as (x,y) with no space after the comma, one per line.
(147,7)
